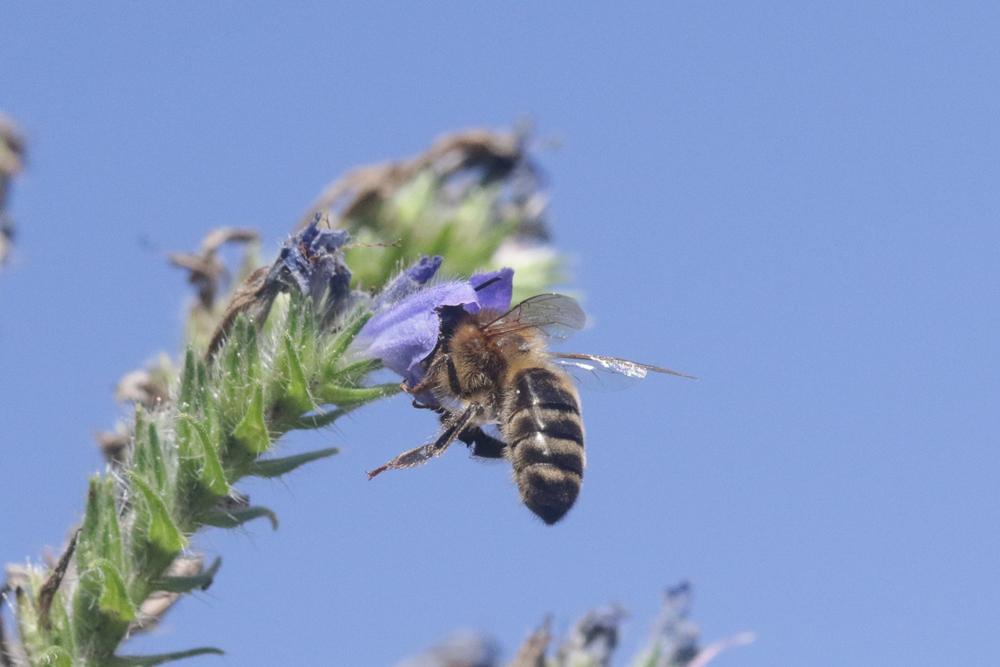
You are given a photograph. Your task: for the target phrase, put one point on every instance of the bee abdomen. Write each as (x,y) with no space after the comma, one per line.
(545,435)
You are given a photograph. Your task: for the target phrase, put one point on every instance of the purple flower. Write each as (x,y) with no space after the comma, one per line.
(493,290)
(407,282)
(404,333)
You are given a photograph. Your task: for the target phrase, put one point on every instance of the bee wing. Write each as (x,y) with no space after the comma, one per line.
(608,372)
(556,315)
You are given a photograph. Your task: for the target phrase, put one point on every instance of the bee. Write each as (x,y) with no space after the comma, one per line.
(492,368)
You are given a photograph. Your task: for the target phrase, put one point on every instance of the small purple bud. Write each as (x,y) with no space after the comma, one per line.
(407,282)
(424,269)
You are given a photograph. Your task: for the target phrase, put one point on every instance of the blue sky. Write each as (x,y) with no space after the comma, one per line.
(796,202)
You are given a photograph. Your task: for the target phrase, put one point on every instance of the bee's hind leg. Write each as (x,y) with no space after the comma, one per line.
(482,444)
(410,458)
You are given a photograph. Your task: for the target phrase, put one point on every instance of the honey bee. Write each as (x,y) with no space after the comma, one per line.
(491,368)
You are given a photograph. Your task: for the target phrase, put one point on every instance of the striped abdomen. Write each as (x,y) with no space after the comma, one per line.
(544,434)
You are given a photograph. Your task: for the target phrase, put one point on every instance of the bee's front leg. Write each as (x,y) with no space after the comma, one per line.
(429,380)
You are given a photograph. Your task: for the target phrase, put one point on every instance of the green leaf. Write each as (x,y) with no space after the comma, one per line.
(343,340)
(189,380)
(148,455)
(113,599)
(353,373)
(28,628)
(211,420)
(318,420)
(296,398)
(213,477)
(239,369)
(186,584)
(156,451)
(201,479)
(232,349)
(159,659)
(251,433)
(239,516)
(102,610)
(280,466)
(202,370)
(53,656)
(88,546)
(100,534)
(157,539)
(341,396)
(61,633)
(251,356)
(190,494)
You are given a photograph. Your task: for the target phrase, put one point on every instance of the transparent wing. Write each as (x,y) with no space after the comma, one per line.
(556,315)
(608,373)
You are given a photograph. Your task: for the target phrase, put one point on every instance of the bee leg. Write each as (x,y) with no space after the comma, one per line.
(409,458)
(482,444)
(424,453)
(425,406)
(427,383)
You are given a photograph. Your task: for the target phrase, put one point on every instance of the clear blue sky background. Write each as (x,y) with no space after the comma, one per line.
(796,202)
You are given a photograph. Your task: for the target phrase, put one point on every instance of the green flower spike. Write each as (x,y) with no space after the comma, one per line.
(277,358)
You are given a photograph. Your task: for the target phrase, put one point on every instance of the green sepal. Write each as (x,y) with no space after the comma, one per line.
(352,374)
(231,355)
(280,466)
(33,641)
(100,535)
(185,395)
(239,370)
(53,656)
(295,398)
(61,627)
(237,517)
(199,581)
(201,479)
(202,369)
(317,420)
(102,609)
(148,452)
(212,475)
(337,395)
(194,380)
(251,433)
(336,349)
(211,421)
(306,335)
(161,658)
(156,538)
